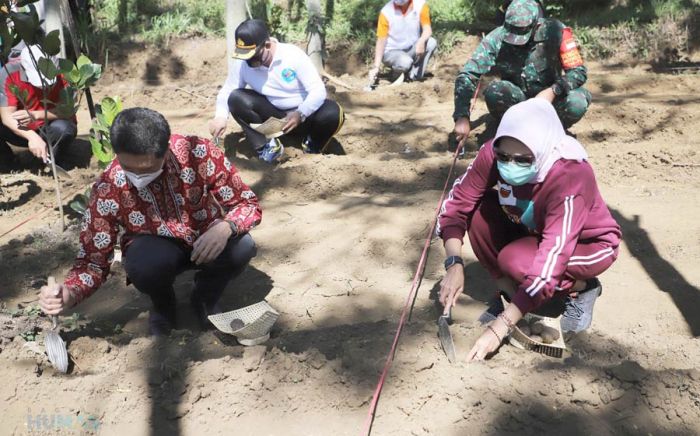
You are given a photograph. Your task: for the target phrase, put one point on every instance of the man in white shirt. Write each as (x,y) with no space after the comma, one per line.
(272,79)
(404,39)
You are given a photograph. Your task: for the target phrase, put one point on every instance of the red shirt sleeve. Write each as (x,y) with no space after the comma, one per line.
(98,236)
(457,210)
(238,201)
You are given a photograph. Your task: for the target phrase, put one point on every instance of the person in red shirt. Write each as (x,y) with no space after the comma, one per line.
(544,233)
(24,121)
(179,204)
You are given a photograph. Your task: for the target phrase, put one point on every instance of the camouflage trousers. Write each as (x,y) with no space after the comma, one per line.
(502,94)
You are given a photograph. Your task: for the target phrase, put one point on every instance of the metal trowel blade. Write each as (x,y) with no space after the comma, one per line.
(445,336)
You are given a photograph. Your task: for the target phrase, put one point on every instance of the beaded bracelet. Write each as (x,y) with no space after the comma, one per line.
(507,322)
(494,332)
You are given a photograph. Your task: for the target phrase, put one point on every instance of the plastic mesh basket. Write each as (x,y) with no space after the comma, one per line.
(250,322)
(521,340)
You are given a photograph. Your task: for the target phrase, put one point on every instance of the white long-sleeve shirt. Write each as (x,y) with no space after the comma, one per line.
(290,82)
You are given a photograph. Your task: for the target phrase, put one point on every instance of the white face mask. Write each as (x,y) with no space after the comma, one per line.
(141,180)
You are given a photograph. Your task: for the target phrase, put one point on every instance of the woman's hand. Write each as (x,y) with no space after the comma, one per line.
(489,341)
(451,285)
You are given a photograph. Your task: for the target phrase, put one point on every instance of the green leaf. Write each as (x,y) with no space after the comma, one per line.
(97,73)
(78,206)
(100,128)
(14,89)
(67,106)
(102,150)
(86,71)
(29,336)
(21,94)
(65,66)
(73,77)
(47,68)
(52,43)
(110,108)
(83,60)
(100,118)
(97,149)
(26,26)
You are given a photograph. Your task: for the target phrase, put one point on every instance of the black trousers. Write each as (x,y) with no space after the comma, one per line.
(247,106)
(152,263)
(60,133)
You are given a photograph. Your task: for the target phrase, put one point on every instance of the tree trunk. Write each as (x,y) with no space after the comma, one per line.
(315,47)
(235,15)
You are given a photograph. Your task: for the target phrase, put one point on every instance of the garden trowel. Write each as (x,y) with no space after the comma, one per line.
(444,334)
(55,347)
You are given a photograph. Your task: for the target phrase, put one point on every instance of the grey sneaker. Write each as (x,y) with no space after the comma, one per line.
(578,314)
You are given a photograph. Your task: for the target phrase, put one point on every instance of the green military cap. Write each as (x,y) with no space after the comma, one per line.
(521,16)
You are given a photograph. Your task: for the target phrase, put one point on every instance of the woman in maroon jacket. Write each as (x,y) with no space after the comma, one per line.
(545,230)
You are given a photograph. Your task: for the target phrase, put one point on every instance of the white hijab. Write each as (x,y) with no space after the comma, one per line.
(535,123)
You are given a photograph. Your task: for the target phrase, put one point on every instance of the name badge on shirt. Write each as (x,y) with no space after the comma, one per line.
(505,195)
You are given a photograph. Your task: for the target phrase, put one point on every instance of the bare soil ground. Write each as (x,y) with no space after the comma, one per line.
(338,245)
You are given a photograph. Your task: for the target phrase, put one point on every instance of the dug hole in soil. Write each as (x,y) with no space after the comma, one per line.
(339,242)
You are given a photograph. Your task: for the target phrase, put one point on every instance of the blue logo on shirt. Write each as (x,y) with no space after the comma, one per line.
(288,75)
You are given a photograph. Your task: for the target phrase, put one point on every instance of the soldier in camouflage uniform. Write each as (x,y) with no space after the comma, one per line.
(533,56)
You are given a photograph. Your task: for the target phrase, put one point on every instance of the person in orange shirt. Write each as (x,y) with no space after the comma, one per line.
(404,39)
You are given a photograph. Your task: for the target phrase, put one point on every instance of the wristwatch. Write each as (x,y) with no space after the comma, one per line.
(557,89)
(452,260)
(234,228)
(302,117)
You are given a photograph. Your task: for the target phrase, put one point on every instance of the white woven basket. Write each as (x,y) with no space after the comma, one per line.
(249,324)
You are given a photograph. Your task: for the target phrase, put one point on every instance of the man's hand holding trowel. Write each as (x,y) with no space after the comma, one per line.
(54,298)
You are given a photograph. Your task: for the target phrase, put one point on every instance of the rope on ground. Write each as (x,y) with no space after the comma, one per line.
(417,278)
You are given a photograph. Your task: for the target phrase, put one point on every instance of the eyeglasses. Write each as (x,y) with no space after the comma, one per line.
(519,159)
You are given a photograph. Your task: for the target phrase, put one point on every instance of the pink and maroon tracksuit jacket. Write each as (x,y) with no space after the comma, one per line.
(573,235)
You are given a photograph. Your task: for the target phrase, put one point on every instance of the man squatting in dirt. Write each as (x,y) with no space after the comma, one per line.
(404,39)
(544,234)
(529,54)
(181,205)
(283,83)
(23,120)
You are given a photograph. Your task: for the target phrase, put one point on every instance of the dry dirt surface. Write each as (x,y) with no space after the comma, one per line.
(338,245)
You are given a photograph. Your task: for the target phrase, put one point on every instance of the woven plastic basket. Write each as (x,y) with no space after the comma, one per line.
(251,324)
(520,340)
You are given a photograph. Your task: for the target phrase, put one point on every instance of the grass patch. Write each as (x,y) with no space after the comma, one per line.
(158,21)
(638,29)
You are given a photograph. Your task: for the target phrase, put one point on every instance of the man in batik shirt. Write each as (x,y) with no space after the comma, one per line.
(181,205)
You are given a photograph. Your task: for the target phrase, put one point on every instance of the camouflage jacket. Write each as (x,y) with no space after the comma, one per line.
(551,56)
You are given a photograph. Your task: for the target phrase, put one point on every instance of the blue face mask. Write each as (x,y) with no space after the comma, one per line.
(514,174)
